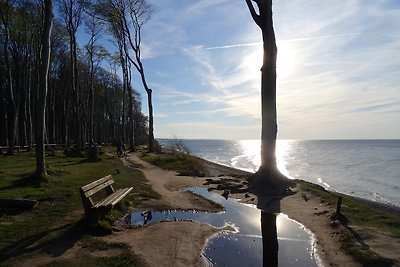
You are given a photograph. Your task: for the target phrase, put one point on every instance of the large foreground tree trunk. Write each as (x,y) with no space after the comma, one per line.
(43,85)
(268,179)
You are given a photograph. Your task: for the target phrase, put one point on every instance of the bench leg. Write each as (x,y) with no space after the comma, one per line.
(94,216)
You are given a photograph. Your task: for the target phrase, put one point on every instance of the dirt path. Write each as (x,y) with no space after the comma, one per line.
(311,213)
(170,186)
(169,243)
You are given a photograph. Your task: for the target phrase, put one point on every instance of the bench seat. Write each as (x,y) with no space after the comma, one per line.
(113,199)
(94,210)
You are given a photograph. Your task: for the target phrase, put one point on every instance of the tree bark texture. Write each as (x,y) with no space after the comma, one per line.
(268,179)
(269,127)
(43,85)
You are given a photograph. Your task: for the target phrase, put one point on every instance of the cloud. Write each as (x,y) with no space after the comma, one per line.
(203,130)
(338,66)
(203,7)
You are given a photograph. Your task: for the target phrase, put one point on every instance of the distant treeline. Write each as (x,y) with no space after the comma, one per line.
(84,100)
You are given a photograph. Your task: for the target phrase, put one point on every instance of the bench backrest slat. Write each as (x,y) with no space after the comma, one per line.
(95,183)
(96,186)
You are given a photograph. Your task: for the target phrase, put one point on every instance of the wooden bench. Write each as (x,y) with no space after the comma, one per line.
(93,210)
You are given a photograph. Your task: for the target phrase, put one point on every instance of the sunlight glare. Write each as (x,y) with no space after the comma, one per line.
(282,150)
(251,150)
(285,60)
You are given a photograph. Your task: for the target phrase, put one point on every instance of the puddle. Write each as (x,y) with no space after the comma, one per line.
(244,247)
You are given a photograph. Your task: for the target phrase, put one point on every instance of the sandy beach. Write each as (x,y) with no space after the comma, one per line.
(180,243)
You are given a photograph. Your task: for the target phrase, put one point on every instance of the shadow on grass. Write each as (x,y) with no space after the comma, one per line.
(54,247)
(25,180)
(84,160)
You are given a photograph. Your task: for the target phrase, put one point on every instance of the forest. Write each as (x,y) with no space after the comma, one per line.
(89,97)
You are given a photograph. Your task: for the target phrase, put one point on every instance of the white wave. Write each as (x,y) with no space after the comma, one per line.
(326,185)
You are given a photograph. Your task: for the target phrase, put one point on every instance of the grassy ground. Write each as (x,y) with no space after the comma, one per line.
(358,214)
(59,212)
(184,164)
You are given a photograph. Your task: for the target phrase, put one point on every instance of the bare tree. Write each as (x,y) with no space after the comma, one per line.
(139,13)
(96,54)
(5,10)
(43,86)
(130,16)
(268,179)
(72,11)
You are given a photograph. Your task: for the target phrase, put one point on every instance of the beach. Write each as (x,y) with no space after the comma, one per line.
(181,243)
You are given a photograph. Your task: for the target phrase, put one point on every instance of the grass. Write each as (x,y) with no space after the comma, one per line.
(184,164)
(93,244)
(122,260)
(355,212)
(358,212)
(59,211)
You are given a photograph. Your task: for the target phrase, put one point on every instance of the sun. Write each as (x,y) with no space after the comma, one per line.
(285,60)
(251,63)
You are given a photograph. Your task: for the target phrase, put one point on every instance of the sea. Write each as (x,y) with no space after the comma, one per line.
(368,169)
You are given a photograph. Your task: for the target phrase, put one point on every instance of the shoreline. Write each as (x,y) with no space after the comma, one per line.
(309,210)
(220,168)
(304,207)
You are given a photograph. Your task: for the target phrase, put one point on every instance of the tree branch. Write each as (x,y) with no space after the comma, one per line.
(253,12)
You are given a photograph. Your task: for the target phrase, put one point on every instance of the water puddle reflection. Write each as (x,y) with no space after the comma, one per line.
(245,246)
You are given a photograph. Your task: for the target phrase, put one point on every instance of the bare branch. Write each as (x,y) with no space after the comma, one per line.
(253,12)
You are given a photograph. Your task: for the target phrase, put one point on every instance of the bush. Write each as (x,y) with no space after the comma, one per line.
(73,152)
(179,148)
(93,153)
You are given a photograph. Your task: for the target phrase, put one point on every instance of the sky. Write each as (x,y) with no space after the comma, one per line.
(338,69)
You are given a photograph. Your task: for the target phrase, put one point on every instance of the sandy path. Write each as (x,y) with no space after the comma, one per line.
(192,235)
(170,186)
(169,243)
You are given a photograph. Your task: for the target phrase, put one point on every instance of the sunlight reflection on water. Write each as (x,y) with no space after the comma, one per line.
(242,247)
(364,168)
(251,152)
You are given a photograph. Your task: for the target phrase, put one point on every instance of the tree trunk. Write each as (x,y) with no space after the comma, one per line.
(150,105)
(3,117)
(28,110)
(43,84)
(151,130)
(268,179)
(269,127)
(11,106)
(75,81)
(131,127)
(91,101)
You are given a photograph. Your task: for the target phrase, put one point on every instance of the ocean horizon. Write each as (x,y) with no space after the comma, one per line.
(364,168)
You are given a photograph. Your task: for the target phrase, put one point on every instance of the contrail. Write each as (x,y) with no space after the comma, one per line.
(288,40)
(232,46)
(318,37)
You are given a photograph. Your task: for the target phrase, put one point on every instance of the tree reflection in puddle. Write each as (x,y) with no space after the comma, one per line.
(245,246)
